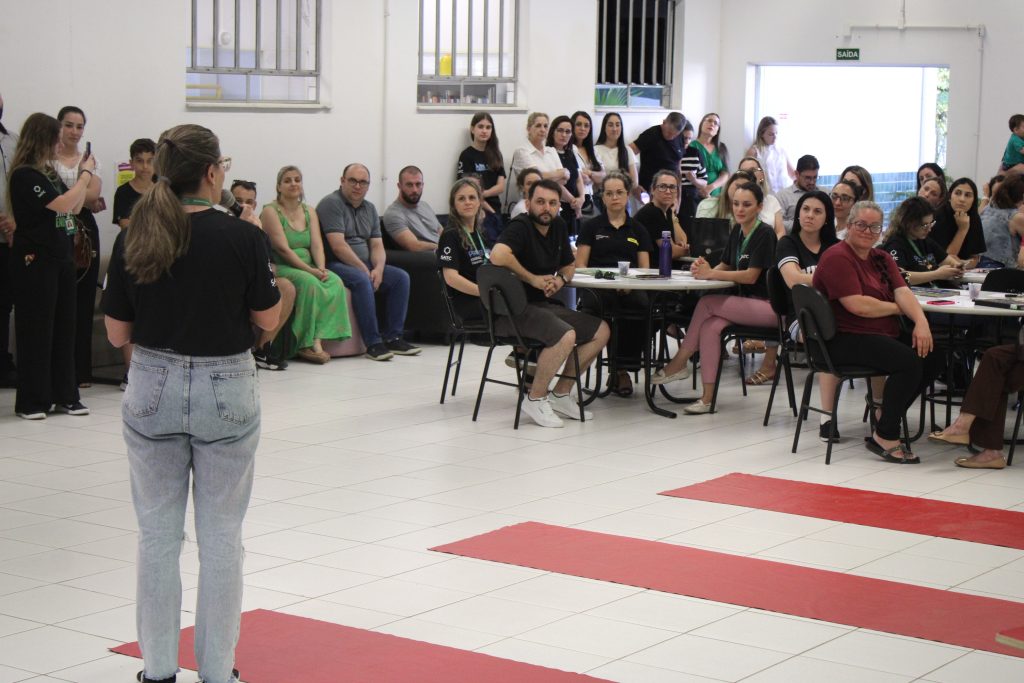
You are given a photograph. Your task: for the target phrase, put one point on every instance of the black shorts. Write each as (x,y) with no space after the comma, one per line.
(548,321)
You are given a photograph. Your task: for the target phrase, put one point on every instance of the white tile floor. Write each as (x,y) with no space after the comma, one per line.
(360,471)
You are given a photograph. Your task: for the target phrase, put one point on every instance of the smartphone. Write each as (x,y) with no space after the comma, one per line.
(88,149)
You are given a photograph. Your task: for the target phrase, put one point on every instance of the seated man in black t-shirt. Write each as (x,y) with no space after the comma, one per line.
(535,246)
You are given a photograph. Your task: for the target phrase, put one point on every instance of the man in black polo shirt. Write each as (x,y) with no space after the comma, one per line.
(535,246)
(659,147)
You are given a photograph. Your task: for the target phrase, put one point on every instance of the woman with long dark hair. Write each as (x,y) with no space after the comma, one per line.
(483,160)
(713,153)
(958,227)
(591,169)
(611,148)
(187,283)
(43,272)
(72,128)
(928,170)
(560,139)
(922,259)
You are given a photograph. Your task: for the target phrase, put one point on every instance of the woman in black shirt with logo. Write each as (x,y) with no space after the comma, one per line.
(461,249)
(43,272)
(186,284)
(483,160)
(922,259)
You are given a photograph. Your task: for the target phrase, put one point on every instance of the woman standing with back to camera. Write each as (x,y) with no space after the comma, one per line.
(186,284)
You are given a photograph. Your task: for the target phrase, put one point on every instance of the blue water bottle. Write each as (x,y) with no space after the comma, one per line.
(665,255)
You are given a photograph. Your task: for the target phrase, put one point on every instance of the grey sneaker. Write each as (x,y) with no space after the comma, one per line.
(400,347)
(567,406)
(541,413)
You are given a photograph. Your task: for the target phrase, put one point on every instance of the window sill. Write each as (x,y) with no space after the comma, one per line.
(423,108)
(214,105)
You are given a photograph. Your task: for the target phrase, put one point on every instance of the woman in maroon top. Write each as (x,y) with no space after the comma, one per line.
(868,295)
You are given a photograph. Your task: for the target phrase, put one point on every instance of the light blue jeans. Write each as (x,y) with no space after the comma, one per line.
(198,417)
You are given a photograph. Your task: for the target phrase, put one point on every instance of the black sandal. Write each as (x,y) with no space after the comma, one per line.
(886,454)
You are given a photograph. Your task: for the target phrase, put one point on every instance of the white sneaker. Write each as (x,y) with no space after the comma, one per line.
(661,378)
(568,406)
(698,407)
(540,412)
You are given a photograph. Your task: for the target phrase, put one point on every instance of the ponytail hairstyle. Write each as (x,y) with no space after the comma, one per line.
(492,152)
(454,220)
(160,227)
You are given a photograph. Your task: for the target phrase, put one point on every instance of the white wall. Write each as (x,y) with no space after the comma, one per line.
(123,62)
(984,84)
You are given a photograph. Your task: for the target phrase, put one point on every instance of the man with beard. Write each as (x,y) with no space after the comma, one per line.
(535,246)
(409,221)
(8,141)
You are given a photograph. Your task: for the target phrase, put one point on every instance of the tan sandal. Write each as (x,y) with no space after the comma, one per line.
(754,346)
(759,378)
(311,356)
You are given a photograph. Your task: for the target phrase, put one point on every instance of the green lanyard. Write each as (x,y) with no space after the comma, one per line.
(194,201)
(917,251)
(743,247)
(475,243)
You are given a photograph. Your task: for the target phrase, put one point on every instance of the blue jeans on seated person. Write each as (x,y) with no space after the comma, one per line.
(394,287)
(198,418)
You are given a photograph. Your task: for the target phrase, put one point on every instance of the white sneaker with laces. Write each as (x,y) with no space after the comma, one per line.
(661,378)
(540,412)
(568,406)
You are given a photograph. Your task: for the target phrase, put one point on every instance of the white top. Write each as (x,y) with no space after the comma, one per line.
(609,158)
(708,208)
(69,174)
(527,156)
(774,161)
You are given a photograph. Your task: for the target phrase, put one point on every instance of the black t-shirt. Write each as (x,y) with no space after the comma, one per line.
(38,232)
(452,253)
(927,256)
(609,245)
(568,159)
(202,307)
(656,222)
(657,153)
(473,163)
(945,230)
(758,253)
(539,254)
(124,201)
(791,249)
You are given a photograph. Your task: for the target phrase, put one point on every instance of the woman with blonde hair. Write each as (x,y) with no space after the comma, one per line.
(321,311)
(186,284)
(779,171)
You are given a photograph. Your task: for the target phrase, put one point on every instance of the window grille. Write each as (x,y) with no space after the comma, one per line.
(635,49)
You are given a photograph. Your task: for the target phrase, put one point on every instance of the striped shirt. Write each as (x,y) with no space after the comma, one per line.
(691,162)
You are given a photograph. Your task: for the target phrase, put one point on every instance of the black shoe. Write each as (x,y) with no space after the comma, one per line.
(378,352)
(75,408)
(235,676)
(266,361)
(825,433)
(142,679)
(400,347)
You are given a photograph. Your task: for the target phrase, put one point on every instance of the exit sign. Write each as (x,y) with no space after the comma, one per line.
(848,54)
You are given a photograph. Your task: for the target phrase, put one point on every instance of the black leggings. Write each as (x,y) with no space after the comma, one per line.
(907,373)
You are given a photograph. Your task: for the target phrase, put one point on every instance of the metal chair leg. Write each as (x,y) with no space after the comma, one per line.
(458,364)
(483,381)
(448,370)
(802,413)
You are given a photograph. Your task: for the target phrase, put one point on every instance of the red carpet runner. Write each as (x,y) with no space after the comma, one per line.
(868,508)
(281,648)
(944,616)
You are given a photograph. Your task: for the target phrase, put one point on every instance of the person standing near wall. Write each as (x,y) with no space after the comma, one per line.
(778,169)
(8,143)
(186,283)
(43,272)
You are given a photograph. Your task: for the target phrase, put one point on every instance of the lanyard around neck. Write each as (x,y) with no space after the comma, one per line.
(195,201)
(743,247)
(478,242)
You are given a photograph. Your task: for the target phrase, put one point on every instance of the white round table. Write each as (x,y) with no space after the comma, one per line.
(962,305)
(680,281)
(977,275)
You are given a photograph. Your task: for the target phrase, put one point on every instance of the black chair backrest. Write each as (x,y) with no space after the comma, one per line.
(708,237)
(501,292)
(817,324)
(1008,280)
(778,292)
(453,317)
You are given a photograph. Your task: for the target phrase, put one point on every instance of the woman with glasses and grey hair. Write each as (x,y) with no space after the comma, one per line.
(868,295)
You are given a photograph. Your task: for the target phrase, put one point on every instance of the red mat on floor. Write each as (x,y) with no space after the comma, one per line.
(281,648)
(944,616)
(1014,637)
(869,508)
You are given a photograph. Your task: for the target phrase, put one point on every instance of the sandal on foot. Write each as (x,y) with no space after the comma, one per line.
(759,378)
(754,346)
(311,356)
(954,439)
(620,385)
(888,454)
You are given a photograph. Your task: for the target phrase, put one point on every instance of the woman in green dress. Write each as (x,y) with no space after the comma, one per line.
(321,308)
(713,153)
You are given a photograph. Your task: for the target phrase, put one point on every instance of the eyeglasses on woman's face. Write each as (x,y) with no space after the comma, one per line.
(864,226)
(666,187)
(225,164)
(838,198)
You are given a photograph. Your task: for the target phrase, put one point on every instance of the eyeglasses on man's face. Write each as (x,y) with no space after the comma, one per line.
(357,183)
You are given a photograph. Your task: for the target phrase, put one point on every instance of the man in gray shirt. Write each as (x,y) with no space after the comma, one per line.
(355,252)
(806,181)
(409,221)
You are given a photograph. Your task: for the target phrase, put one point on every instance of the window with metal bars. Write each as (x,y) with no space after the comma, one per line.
(250,51)
(468,53)
(635,48)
